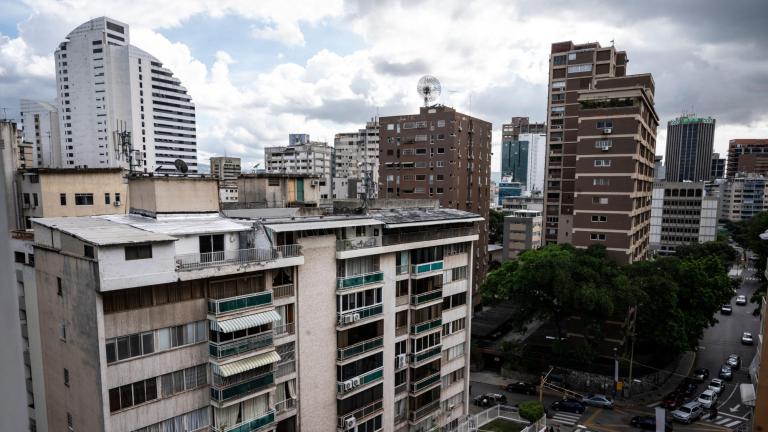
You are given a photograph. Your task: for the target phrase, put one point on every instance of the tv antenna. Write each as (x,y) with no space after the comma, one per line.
(429,88)
(181,166)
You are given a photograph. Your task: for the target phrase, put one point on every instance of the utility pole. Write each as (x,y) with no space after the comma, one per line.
(615,370)
(632,348)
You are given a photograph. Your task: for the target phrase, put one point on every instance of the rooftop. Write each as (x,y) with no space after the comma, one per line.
(101,231)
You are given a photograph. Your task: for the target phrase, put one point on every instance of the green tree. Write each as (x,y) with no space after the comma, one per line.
(495,227)
(720,249)
(531,410)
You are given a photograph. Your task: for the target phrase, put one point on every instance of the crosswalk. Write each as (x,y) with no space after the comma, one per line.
(565,419)
(723,420)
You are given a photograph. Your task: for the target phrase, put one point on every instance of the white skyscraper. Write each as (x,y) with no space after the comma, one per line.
(107,86)
(41,129)
(536,150)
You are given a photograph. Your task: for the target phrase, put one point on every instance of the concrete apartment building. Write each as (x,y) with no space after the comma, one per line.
(747,156)
(533,202)
(681,213)
(40,123)
(602,138)
(442,154)
(522,232)
(106,86)
(176,318)
(718,167)
(743,197)
(302,156)
(226,170)
(523,146)
(689,149)
(356,157)
(272,190)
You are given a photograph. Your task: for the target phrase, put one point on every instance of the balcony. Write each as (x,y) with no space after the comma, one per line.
(231,304)
(286,405)
(402,269)
(401,388)
(357,243)
(256,424)
(426,297)
(361,413)
(425,382)
(238,390)
(197,261)
(347,386)
(283,329)
(422,412)
(282,291)
(429,354)
(426,326)
(359,348)
(353,316)
(240,346)
(419,269)
(422,236)
(285,368)
(356,281)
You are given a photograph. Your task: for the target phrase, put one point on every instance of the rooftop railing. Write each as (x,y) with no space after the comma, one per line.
(419,236)
(197,261)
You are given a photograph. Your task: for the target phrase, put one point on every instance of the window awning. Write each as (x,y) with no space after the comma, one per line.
(246,364)
(244,322)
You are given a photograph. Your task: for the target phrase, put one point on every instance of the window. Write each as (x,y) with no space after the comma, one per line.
(34,199)
(603,144)
(273,181)
(601,181)
(440,150)
(558,85)
(63,332)
(182,380)
(138,252)
(106,198)
(459,273)
(26,199)
(580,68)
(66,377)
(597,236)
(88,251)
(558,60)
(600,200)
(70,422)
(605,124)
(83,199)
(117,197)
(63,199)
(571,56)
(19,257)
(59,288)
(454,301)
(600,219)
(603,162)
(132,394)
(440,164)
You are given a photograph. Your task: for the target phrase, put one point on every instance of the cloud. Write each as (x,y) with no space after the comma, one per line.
(400,69)
(286,33)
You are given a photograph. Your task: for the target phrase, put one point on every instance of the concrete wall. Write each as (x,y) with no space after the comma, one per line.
(117,273)
(155,195)
(53,184)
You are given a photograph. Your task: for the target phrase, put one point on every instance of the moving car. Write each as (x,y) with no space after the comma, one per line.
(701,374)
(716,385)
(490,399)
(726,309)
(726,372)
(746,338)
(597,400)
(688,413)
(741,300)
(521,387)
(707,399)
(569,405)
(734,361)
(647,422)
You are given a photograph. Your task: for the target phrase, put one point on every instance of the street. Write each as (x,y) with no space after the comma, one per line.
(717,344)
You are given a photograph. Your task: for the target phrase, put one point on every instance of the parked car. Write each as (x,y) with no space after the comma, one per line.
(648,423)
(597,400)
(673,400)
(734,361)
(569,405)
(726,373)
(490,399)
(521,387)
(746,338)
(701,374)
(707,399)
(688,413)
(716,385)
(726,309)
(741,300)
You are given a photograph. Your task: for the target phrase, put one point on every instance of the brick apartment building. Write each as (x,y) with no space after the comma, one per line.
(747,156)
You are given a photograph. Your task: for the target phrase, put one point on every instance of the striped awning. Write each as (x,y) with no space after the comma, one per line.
(247,364)
(244,322)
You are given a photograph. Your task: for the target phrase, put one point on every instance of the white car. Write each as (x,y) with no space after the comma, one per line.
(688,412)
(716,385)
(746,338)
(741,300)
(708,398)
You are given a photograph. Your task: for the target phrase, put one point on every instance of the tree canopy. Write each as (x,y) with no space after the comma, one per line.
(495,227)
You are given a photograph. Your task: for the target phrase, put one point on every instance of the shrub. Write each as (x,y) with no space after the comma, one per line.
(531,410)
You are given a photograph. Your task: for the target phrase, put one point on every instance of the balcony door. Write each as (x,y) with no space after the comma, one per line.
(212,247)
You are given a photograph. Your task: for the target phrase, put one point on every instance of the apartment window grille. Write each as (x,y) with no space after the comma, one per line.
(597,236)
(83,199)
(580,68)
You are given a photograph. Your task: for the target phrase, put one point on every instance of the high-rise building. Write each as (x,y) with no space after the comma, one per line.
(303,157)
(600,159)
(118,105)
(522,152)
(356,162)
(681,213)
(226,170)
(522,232)
(40,122)
(742,197)
(508,188)
(441,154)
(718,167)
(689,149)
(747,156)
(658,168)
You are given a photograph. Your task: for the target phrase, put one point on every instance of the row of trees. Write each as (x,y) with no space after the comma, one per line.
(747,234)
(676,297)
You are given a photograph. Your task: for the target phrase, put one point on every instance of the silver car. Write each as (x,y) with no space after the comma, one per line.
(688,412)
(598,400)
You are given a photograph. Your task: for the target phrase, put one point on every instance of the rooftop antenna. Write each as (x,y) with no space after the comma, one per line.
(181,166)
(612,41)
(429,88)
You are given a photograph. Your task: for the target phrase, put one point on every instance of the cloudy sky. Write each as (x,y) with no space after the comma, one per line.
(259,70)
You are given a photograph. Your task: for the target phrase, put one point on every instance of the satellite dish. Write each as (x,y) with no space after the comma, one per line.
(429,88)
(181,166)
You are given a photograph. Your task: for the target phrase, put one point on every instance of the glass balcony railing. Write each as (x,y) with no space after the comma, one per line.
(426,355)
(358,381)
(240,346)
(417,299)
(242,389)
(359,348)
(231,304)
(348,282)
(417,269)
(351,317)
(426,326)
(422,412)
(256,424)
(426,382)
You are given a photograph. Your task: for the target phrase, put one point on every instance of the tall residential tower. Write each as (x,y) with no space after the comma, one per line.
(689,149)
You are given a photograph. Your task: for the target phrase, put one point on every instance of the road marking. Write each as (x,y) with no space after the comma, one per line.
(734,408)
(730,425)
(724,420)
(567,419)
(729,397)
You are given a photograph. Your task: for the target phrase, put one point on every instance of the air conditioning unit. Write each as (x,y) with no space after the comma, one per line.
(314,182)
(350,423)
(402,361)
(451,407)
(348,318)
(355,381)
(607,130)
(356,317)
(118,203)
(348,385)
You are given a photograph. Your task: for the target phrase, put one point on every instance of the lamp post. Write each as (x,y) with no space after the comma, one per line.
(615,370)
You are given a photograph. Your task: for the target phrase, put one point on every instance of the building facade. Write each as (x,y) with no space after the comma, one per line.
(356,162)
(533,202)
(689,149)
(522,232)
(271,190)
(310,157)
(718,167)
(522,152)
(118,105)
(40,123)
(743,197)
(747,156)
(508,188)
(681,213)
(226,170)
(602,138)
(439,154)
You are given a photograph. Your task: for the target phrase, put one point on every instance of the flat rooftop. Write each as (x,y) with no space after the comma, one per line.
(102,232)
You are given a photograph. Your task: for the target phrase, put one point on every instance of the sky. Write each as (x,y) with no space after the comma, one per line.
(258,71)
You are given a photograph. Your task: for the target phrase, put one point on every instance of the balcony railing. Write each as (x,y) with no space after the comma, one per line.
(231,348)
(400,388)
(230,304)
(361,413)
(196,261)
(351,317)
(347,282)
(420,236)
(249,425)
(358,381)
(285,368)
(426,355)
(425,382)
(359,348)
(242,389)
(417,269)
(282,330)
(401,300)
(286,405)
(358,243)
(426,326)
(417,299)
(402,269)
(424,411)
(282,291)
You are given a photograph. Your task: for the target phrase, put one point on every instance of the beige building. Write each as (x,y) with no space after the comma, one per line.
(522,232)
(226,170)
(742,197)
(270,190)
